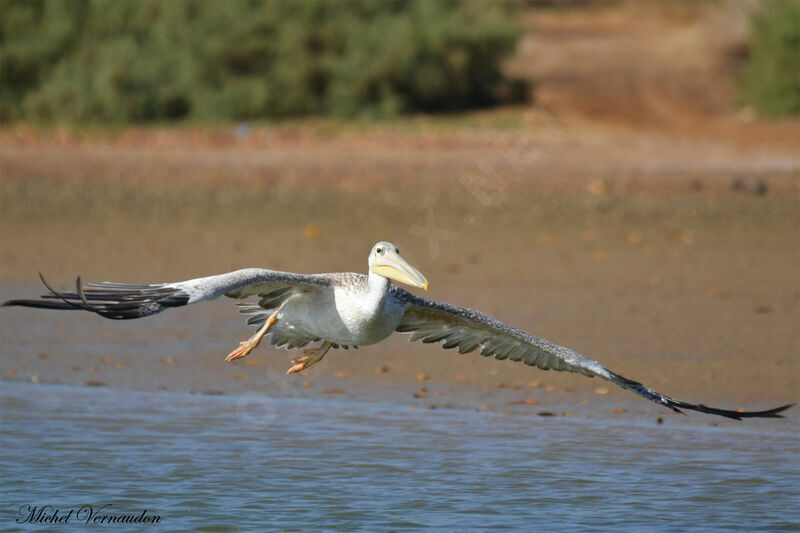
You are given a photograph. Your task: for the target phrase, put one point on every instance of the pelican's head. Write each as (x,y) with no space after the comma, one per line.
(385,260)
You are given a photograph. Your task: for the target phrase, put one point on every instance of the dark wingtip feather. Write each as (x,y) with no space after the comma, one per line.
(58,295)
(677,405)
(39,304)
(117,301)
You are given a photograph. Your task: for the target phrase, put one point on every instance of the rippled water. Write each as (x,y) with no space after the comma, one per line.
(225,462)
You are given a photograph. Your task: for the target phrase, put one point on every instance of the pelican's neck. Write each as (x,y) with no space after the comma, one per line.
(378,290)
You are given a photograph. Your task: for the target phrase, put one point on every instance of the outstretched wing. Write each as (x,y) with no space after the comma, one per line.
(467,330)
(121,301)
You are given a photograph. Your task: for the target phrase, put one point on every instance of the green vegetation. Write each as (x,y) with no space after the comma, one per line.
(771,81)
(149,60)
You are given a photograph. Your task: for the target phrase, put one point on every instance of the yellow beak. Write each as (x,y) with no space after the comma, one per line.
(394,267)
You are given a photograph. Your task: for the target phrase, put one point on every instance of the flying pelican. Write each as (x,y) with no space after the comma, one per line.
(349,309)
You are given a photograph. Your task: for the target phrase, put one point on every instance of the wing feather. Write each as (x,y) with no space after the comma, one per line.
(121,301)
(250,282)
(469,330)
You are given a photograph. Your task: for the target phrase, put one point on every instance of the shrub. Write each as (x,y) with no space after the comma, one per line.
(153,60)
(771,79)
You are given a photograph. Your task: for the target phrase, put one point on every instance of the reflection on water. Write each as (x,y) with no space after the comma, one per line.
(227,462)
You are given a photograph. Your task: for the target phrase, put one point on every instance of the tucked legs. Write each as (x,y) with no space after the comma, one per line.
(309,357)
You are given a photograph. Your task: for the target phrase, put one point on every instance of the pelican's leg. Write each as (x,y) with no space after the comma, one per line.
(311,356)
(245,347)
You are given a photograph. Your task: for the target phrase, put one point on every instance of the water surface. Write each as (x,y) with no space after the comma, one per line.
(219,463)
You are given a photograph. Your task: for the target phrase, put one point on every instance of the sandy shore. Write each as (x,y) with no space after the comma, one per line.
(652,226)
(695,295)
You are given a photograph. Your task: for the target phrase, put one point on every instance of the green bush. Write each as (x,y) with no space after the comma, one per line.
(136,61)
(771,80)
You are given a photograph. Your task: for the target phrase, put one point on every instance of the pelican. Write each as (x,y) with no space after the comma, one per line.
(348,309)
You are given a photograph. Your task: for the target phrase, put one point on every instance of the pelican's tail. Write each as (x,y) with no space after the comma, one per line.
(677,405)
(117,301)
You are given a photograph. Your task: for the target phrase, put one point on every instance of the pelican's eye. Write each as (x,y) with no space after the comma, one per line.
(379,250)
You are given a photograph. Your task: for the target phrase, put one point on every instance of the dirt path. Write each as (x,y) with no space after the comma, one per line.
(661,67)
